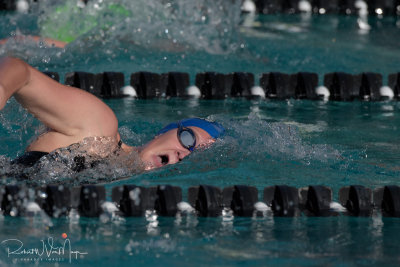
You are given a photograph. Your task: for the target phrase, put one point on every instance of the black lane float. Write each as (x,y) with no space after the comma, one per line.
(337,86)
(344,7)
(206,200)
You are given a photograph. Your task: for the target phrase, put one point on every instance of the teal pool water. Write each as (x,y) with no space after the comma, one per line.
(293,142)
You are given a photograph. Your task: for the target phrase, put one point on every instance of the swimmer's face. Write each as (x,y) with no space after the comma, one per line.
(166,149)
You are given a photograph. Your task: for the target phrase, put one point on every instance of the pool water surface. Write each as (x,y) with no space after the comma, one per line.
(267,142)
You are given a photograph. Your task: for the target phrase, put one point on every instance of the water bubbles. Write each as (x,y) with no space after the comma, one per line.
(323,92)
(42,194)
(80,4)
(386,92)
(22,6)
(104,218)
(248,6)
(185,207)
(227,215)
(379,11)
(135,196)
(41,44)
(129,91)
(337,207)
(193,91)
(13,212)
(257,91)
(152,219)
(261,206)
(46,59)
(33,207)
(73,216)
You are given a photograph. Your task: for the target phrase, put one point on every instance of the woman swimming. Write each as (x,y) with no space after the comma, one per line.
(73,115)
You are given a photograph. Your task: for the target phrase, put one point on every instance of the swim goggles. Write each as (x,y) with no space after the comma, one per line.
(186,137)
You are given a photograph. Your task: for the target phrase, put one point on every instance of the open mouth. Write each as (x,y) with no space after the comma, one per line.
(164,159)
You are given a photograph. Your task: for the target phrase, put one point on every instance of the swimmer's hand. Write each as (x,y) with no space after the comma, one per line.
(21,38)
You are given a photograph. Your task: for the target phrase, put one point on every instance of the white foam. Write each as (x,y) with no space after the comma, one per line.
(261,206)
(304,6)
(33,207)
(109,207)
(129,91)
(362,9)
(249,6)
(386,91)
(361,4)
(193,91)
(363,25)
(135,196)
(22,6)
(185,207)
(257,91)
(323,92)
(337,207)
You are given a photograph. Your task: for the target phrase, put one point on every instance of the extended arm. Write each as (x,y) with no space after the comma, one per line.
(71,113)
(49,41)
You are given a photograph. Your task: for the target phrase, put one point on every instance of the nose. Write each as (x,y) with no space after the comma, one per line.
(177,156)
(183,153)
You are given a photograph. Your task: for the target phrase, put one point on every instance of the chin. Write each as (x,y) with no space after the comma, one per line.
(150,162)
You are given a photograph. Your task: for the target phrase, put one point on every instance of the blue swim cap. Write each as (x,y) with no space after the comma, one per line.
(214,129)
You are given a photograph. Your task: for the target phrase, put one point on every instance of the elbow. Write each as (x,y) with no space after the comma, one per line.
(14,74)
(17,71)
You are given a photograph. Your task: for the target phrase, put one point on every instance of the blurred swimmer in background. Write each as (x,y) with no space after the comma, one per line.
(62,26)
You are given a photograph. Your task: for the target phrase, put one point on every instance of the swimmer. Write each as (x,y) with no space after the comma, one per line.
(66,21)
(72,115)
(37,39)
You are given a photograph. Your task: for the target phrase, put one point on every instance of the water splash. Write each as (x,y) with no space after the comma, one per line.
(256,141)
(77,164)
(112,26)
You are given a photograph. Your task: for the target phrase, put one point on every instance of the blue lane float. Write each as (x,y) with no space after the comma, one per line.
(204,200)
(337,86)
